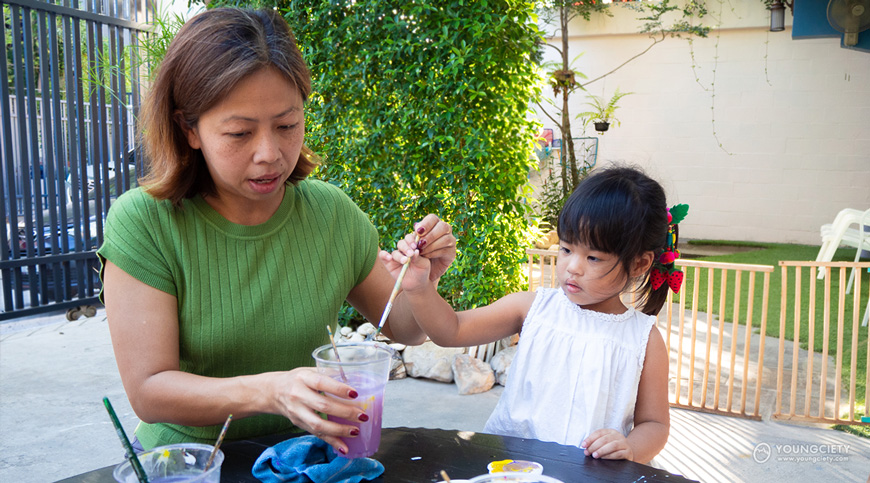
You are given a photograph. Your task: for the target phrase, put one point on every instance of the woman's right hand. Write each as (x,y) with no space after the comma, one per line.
(302,393)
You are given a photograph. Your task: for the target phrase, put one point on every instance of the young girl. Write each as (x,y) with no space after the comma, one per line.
(589,371)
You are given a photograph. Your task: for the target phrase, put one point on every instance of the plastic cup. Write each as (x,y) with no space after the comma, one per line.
(365,366)
(524,477)
(174,463)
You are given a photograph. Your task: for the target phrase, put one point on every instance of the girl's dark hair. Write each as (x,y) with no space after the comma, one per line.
(620,210)
(208,57)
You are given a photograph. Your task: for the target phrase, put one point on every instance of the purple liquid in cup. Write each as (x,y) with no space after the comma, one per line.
(364,366)
(371,402)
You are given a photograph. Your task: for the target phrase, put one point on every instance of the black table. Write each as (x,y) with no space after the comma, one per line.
(416,455)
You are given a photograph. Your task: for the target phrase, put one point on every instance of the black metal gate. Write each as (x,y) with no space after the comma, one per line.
(69,103)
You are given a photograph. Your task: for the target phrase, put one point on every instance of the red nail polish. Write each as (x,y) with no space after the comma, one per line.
(363,417)
(342,450)
(352,394)
(354,432)
(420,230)
(421,244)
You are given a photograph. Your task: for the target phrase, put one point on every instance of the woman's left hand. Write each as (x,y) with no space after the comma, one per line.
(608,444)
(436,243)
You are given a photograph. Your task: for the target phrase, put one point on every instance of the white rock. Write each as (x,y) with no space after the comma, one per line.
(366,329)
(501,364)
(356,337)
(472,375)
(430,361)
(345,331)
(397,347)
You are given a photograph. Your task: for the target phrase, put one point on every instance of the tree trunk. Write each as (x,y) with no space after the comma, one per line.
(569,181)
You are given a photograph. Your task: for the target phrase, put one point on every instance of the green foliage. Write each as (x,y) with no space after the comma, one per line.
(654,23)
(423,108)
(142,56)
(601,110)
(554,191)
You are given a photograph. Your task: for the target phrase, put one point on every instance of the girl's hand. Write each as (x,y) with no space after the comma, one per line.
(303,393)
(607,444)
(436,244)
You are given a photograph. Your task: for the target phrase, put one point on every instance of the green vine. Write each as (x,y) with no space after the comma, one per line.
(712,87)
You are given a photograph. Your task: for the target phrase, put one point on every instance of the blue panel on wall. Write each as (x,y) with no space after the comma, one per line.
(811,22)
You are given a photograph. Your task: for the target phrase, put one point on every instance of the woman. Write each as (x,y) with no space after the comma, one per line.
(222,271)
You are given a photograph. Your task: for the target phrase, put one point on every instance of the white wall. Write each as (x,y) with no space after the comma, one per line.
(793,118)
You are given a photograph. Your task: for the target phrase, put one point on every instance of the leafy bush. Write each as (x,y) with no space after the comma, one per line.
(424,108)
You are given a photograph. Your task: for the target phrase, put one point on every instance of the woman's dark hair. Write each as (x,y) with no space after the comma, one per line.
(208,57)
(620,210)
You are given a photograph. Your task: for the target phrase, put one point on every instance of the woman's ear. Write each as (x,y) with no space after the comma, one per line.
(189,132)
(642,264)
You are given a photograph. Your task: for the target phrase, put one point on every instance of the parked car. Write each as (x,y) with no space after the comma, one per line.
(57,241)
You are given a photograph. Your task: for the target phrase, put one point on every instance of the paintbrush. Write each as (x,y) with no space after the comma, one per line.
(395,292)
(218,443)
(335,349)
(131,455)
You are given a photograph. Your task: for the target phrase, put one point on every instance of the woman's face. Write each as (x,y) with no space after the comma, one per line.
(251,142)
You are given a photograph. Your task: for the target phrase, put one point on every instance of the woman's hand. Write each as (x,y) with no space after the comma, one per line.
(303,393)
(607,444)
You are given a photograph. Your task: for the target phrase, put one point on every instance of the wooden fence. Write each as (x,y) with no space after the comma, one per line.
(810,379)
(720,380)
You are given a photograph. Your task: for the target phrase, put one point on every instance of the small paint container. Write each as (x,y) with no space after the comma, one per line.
(515,466)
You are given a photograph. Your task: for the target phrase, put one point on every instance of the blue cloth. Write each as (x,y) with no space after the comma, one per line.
(308,458)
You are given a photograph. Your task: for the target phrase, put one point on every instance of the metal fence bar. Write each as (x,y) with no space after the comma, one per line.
(53,142)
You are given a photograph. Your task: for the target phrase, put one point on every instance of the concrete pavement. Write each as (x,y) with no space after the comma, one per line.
(54,374)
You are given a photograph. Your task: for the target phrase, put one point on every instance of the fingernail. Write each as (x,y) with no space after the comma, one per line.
(352,394)
(342,450)
(363,417)
(421,244)
(420,230)
(595,454)
(354,432)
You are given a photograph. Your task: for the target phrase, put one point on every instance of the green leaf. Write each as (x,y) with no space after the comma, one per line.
(678,213)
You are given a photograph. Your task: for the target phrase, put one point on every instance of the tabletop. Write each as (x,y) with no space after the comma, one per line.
(418,455)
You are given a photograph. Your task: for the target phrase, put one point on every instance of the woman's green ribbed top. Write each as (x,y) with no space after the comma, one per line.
(251,299)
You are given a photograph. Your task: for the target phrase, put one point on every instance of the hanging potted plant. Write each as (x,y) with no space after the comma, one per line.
(601,112)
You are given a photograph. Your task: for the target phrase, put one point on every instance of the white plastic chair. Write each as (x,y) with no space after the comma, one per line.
(840,232)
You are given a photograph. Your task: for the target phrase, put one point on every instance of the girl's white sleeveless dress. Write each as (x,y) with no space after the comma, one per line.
(575,371)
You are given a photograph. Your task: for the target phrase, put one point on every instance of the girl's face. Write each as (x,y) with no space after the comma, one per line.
(251,142)
(594,279)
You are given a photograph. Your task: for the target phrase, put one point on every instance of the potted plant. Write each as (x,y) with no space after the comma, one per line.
(601,112)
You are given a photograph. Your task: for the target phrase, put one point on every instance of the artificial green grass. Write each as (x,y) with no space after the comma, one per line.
(771,254)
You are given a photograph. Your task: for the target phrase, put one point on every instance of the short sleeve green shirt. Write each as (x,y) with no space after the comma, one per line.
(251,299)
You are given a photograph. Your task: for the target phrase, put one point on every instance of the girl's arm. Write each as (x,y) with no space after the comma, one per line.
(143,323)
(651,413)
